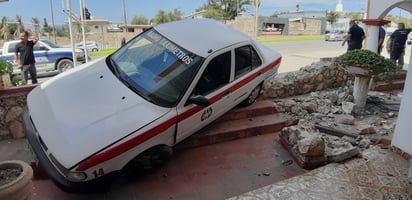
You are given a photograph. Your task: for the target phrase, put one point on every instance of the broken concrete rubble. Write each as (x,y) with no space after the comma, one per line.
(312,149)
(329,113)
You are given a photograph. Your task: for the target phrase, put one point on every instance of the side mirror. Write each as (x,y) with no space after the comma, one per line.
(43,48)
(199,100)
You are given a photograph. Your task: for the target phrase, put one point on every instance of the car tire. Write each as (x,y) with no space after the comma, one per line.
(64,65)
(95,50)
(150,159)
(252,96)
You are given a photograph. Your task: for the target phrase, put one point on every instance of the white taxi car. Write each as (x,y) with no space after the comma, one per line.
(130,108)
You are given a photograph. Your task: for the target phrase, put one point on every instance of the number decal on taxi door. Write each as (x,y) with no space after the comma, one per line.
(206,114)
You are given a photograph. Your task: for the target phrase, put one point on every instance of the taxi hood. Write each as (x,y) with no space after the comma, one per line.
(79,112)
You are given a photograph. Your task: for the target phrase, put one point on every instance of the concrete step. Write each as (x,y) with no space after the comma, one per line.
(227,130)
(264,107)
(382,86)
(401,75)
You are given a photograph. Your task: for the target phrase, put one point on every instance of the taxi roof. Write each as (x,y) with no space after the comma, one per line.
(201,35)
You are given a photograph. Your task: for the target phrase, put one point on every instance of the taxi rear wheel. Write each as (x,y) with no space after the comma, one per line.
(150,159)
(252,96)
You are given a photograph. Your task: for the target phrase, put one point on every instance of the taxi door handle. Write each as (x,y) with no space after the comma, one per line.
(227,92)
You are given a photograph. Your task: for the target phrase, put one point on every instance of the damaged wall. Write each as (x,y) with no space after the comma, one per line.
(315,77)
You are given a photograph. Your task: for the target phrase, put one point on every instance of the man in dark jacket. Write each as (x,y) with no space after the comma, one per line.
(399,38)
(26,61)
(354,37)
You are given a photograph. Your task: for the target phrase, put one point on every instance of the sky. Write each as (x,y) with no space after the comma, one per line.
(113,9)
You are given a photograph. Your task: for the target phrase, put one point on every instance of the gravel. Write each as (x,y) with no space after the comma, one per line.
(7,175)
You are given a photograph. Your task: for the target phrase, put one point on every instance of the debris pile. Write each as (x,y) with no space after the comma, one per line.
(329,132)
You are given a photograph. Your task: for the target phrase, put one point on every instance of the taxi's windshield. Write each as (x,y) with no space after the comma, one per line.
(156,68)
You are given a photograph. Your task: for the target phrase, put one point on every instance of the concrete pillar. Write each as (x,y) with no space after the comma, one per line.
(372,26)
(373,38)
(360,92)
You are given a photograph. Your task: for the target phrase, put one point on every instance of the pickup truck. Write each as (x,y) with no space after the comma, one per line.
(48,56)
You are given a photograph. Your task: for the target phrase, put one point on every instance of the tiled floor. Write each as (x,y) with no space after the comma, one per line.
(379,174)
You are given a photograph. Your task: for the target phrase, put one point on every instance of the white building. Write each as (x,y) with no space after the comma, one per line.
(339,6)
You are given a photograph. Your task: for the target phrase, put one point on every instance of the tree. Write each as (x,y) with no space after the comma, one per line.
(140,20)
(62,32)
(354,15)
(19,27)
(4,29)
(332,17)
(46,27)
(175,15)
(163,17)
(36,24)
(223,9)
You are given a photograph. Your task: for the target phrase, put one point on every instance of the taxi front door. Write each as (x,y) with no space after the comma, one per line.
(214,84)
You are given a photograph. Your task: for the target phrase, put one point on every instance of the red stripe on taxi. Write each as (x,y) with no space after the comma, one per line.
(123,147)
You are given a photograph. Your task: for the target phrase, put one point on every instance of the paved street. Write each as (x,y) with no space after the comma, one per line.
(296,55)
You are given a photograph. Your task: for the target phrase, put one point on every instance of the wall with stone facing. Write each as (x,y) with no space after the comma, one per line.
(315,77)
(12,103)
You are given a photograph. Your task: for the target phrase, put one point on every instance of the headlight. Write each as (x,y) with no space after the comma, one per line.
(76,176)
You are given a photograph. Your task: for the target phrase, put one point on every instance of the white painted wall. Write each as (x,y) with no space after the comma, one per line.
(403,131)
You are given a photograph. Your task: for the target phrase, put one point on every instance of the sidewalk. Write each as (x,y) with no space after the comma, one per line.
(379,174)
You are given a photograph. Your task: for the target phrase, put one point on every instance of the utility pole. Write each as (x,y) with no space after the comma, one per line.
(52,16)
(257,4)
(124,19)
(69,12)
(82,16)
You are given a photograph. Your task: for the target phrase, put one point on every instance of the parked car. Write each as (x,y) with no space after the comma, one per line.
(130,108)
(48,55)
(335,36)
(92,46)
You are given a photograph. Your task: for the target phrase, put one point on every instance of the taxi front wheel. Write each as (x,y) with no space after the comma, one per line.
(150,159)
(252,96)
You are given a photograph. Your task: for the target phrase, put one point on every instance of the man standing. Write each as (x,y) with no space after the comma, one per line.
(381,39)
(354,37)
(26,62)
(399,38)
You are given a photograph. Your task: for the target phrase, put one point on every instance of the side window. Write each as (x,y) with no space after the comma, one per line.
(216,74)
(246,59)
(38,47)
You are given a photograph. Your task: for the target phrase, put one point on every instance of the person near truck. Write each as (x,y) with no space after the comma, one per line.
(355,36)
(398,39)
(26,62)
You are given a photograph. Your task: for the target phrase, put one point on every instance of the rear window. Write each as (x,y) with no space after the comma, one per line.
(246,59)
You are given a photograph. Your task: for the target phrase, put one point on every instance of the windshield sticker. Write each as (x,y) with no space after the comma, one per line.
(181,55)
